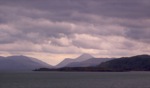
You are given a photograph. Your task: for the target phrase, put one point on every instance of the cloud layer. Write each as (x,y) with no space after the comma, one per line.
(106,28)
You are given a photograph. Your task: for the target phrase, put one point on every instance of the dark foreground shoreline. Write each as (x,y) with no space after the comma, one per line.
(85,69)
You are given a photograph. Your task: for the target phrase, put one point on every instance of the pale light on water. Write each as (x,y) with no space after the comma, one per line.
(75,80)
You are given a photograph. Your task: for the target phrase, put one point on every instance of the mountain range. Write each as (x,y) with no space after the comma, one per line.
(85,62)
(24,63)
(134,63)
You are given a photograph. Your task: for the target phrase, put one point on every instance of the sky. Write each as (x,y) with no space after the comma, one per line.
(52,30)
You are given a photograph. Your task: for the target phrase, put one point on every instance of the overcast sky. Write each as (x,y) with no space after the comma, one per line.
(52,30)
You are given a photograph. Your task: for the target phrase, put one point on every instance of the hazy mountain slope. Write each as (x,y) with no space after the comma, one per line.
(89,62)
(40,62)
(65,62)
(83,57)
(18,63)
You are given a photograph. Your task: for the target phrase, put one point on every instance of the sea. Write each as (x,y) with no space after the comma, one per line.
(75,80)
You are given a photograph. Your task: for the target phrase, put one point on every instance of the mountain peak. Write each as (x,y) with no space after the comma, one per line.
(83,57)
(86,55)
(67,61)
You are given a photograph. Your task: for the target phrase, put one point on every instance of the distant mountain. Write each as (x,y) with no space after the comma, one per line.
(65,62)
(135,63)
(21,63)
(89,62)
(83,57)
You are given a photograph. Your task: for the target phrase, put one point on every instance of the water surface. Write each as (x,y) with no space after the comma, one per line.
(75,80)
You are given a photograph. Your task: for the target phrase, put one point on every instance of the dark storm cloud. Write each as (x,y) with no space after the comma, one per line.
(65,8)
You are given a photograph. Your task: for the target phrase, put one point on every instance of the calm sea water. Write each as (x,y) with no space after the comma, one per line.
(75,80)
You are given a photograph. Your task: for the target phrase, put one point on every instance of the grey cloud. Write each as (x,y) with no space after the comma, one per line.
(142,35)
(64,9)
(63,23)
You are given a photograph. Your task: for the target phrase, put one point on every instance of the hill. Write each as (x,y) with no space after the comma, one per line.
(21,63)
(135,63)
